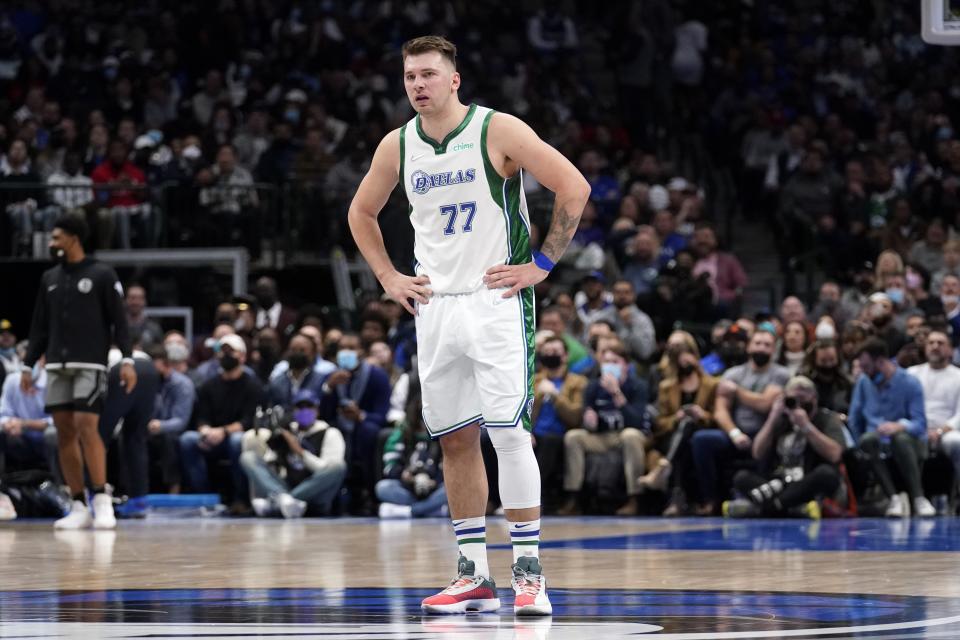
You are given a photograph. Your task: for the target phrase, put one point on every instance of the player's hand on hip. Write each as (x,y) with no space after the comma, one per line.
(128,377)
(401,288)
(26,380)
(514,276)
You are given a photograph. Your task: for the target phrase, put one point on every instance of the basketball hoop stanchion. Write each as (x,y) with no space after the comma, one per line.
(939,24)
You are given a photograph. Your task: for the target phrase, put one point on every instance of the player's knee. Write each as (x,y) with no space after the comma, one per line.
(511,439)
(631,436)
(461,441)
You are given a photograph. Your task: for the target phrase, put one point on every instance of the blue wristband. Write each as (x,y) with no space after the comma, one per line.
(543,261)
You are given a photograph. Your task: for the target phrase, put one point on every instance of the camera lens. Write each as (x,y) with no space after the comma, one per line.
(791,403)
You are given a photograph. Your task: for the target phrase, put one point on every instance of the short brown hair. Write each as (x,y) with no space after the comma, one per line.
(426,44)
(617,348)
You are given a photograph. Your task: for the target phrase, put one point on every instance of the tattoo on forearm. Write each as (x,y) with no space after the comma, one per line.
(562,228)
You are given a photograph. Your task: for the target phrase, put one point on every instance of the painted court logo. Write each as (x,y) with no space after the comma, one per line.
(422,182)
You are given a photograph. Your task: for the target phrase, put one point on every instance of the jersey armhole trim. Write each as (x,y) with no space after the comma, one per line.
(403,150)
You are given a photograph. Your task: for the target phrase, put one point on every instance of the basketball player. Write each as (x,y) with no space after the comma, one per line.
(79,313)
(461,169)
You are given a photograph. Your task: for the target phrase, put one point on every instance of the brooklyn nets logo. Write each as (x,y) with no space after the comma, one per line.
(422,182)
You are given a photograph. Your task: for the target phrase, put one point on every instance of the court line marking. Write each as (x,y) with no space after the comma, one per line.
(825,631)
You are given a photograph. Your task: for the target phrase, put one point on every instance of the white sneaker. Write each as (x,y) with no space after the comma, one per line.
(263,507)
(290,507)
(897,507)
(78,518)
(922,508)
(7,511)
(103,517)
(388,511)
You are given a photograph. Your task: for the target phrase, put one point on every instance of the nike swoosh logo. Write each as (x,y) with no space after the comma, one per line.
(415,158)
(520,526)
(457,524)
(51,287)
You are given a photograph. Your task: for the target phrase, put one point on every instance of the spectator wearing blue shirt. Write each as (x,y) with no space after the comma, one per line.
(356,399)
(604,188)
(887,417)
(643,269)
(665,224)
(557,408)
(23,422)
(615,417)
(298,374)
(171,416)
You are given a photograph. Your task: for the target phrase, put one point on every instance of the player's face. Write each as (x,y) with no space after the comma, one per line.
(430,81)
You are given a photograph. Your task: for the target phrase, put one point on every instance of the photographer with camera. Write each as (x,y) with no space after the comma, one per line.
(615,417)
(799,448)
(412,485)
(295,461)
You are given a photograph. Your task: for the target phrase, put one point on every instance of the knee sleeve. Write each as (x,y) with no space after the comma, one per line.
(519,479)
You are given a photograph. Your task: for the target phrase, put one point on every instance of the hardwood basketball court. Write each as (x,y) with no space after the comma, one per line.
(362,578)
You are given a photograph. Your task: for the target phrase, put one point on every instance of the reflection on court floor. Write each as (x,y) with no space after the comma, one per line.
(691,579)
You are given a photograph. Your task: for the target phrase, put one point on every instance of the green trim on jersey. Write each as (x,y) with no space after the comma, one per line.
(441,147)
(508,195)
(494,179)
(530,328)
(403,154)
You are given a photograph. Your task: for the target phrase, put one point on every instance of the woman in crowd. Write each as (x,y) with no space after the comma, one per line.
(685,404)
(793,349)
(824,367)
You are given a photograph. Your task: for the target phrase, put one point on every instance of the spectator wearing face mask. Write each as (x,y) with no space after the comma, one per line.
(855,298)
(744,398)
(614,417)
(887,417)
(299,373)
(731,350)
(270,311)
(226,407)
(941,397)
(950,298)
(296,465)
(822,366)
(684,404)
(557,408)
(801,444)
(356,399)
(881,315)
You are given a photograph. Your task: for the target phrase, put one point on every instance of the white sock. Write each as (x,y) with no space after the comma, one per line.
(472,539)
(525,537)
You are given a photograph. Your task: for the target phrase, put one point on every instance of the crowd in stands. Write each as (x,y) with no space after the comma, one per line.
(852,409)
(656,388)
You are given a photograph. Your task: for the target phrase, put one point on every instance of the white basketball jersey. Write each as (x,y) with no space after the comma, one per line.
(466,218)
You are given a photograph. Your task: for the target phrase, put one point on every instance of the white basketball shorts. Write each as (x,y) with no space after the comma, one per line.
(475,356)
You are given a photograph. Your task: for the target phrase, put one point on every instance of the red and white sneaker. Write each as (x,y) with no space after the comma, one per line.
(467,593)
(530,588)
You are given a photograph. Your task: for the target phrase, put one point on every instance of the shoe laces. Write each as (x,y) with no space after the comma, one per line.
(526,583)
(459,581)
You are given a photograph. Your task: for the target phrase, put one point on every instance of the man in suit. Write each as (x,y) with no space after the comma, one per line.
(272,313)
